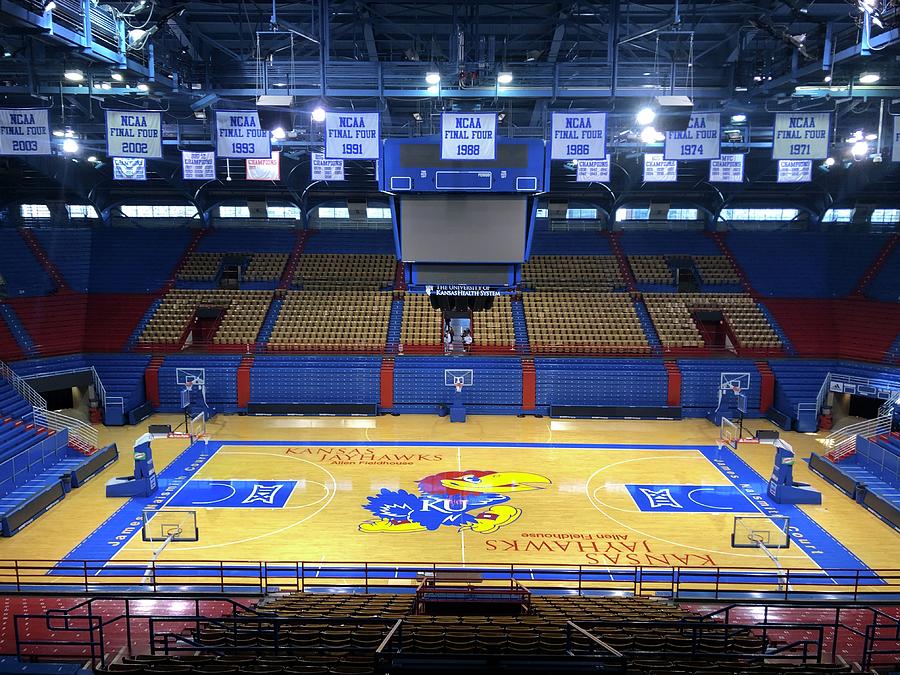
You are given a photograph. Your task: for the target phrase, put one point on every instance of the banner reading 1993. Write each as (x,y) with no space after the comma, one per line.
(352,135)
(801,135)
(468,135)
(699,141)
(134,133)
(24,132)
(578,135)
(239,135)
(895,146)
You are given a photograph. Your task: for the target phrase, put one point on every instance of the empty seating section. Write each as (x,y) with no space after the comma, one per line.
(546,272)
(56,323)
(133,260)
(651,269)
(9,347)
(111,319)
(265,266)
(421,328)
(340,320)
(716,270)
(200,267)
(804,264)
(70,251)
(678,243)
(244,312)
(351,242)
(318,271)
(220,376)
(672,316)
(886,284)
(315,379)
(797,382)
(11,403)
(701,380)
(881,456)
(122,376)
(257,240)
(625,382)
(243,318)
(583,323)
(562,243)
(22,273)
(419,382)
(493,329)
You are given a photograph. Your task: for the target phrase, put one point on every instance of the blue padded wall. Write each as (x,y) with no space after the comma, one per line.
(351,241)
(419,381)
(123,375)
(240,240)
(70,251)
(600,382)
(221,380)
(54,364)
(886,284)
(312,379)
(667,243)
(570,243)
(135,260)
(700,380)
(22,272)
(797,382)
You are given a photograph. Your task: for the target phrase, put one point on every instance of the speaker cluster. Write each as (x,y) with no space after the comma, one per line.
(461,303)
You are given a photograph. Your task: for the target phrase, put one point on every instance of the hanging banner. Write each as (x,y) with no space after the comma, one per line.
(727,169)
(794,170)
(658,169)
(265,169)
(578,135)
(129,168)
(240,136)
(895,146)
(592,171)
(326,169)
(134,134)
(198,165)
(699,141)
(801,135)
(352,135)
(468,135)
(24,132)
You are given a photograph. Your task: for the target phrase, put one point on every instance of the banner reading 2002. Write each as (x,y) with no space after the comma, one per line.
(134,134)
(239,135)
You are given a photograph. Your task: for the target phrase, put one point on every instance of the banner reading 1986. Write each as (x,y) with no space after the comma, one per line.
(352,135)
(134,133)
(468,135)
(699,141)
(24,132)
(578,135)
(801,135)
(239,135)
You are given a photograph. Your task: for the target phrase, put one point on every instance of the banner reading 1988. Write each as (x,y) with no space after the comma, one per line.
(24,132)
(699,141)
(352,135)
(468,135)
(134,133)
(239,135)
(578,135)
(801,135)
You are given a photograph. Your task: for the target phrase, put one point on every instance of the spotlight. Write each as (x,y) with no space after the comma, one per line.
(869,78)
(871,137)
(827,79)
(73,75)
(650,135)
(137,38)
(433,89)
(278,133)
(117,76)
(738,119)
(318,114)
(70,145)
(105,85)
(860,149)
(200,114)
(92,159)
(500,117)
(432,78)
(645,116)
(59,133)
(417,116)
(49,6)
(829,161)
(143,87)
(7,52)
(504,77)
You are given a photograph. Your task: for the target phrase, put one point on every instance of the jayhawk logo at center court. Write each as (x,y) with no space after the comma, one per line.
(472,500)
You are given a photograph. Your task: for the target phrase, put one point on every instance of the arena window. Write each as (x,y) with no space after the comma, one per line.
(159,211)
(759,214)
(234,212)
(333,212)
(838,216)
(81,211)
(378,213)
(34,211)
(581,214)
(542,213)
(644,214)
(885,216)
(287,212)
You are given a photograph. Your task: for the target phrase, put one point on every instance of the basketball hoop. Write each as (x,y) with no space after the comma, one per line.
(189,384)
(459,385)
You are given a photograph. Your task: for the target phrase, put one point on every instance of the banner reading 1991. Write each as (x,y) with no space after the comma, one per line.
(239,135)
(578,135)
(699,141)
(134,134)
(801,135)
(24,132)
(352,135)
(468,135)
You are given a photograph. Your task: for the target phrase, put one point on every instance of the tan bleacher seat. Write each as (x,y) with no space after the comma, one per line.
(319,271)
(493,329)
(651,269)
(200,267)
(421,324)
(545,272)
(265,266)
(716,270)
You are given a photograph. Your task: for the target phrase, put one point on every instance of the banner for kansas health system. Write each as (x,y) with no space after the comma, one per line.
(801,135)
(699,141)
(24,132)
(895,146)
(592,171)
(658,169)
(134,134)
(578,135)
(265,169)
(468,135)
(352,135)
(794,170)
(239,135)
(198,165)
(326,169)
(727,169)
(129,168)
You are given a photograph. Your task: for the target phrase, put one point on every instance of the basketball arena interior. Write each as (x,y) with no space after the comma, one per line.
(379,337)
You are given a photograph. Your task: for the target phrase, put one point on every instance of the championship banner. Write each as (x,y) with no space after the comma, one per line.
(129,168)
(240,136)
(265,169)
(327,169)
(134,134)
(699,141)
(658,169)
(198,165)
(727,169)
(352,135)
(24,132)
(794,170)
(895,146)
(801,135)
(592,171)
(575,135)
(468,135)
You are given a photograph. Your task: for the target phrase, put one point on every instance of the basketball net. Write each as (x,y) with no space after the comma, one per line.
(459,385)
(189,384)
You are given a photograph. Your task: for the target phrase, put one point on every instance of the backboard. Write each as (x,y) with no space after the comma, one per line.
(761,532)
(169,525)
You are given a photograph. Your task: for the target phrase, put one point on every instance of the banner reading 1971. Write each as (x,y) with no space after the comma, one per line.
(895,146)
(801,135)
(24,132)
(352,135)
(578,135)
(468,135)
(134,133)
(239,135)
(699,141)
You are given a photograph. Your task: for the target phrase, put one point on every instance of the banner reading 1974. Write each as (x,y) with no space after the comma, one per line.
(699,141)
(578,135)
(24,132)
(800,135)
(468,135)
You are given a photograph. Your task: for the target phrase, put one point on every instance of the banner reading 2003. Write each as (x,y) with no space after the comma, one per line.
(239,135)
(134,133)
(24,132)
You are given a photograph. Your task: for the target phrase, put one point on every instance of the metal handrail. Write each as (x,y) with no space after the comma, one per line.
(24,389)
(843,441)
(82,436)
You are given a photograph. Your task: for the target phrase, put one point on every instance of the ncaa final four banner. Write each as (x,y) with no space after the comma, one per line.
(895,146)
(699,141)
(352,135)
(134,134)
(468,135)
(239,135)
(24,132)
(801,135)
(578,135)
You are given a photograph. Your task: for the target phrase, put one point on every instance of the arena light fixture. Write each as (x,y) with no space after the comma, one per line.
(645,116)
(73,75)
(829,161)
(433,89)
(860,149)
(739,118)
(504,77)
(70,145)
(143,86)
(432,77)
(650,135)
(92,159)
(869,78)
(871,137)
(105,85)
(117,76)
(49,6)
(59,133)
(278,134)
(318,114)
